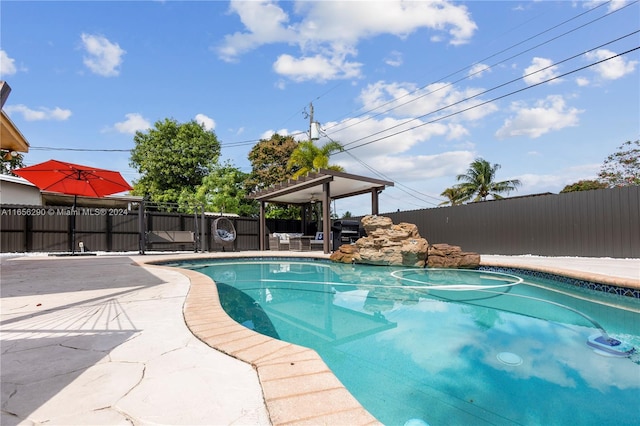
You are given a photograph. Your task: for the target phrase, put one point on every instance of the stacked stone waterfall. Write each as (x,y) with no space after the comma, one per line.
(401,245)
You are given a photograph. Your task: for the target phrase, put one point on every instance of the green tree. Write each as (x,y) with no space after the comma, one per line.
(9,162)
(479,181)
(269,159)
(223,191)
(173,159)
(584,185)
(307,157)
(454,196)
(622,168)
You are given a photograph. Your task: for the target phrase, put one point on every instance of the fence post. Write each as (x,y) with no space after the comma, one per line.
(203,232)
(141,230)
(28,233)
(109,225)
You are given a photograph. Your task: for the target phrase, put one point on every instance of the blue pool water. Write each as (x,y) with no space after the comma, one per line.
(446,347)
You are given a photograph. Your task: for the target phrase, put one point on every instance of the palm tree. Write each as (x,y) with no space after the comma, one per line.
(479,181)
(308,157)
(454,196)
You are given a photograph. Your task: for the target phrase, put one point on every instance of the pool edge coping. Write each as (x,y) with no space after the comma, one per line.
(297,386)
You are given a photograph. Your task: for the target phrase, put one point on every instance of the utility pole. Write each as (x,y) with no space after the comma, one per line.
(311,124)
(310,121)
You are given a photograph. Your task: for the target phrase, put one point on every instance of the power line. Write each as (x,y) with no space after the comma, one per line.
(479,62)
(493,88)
(467,109)
(222,145)
(489,101)
(51,148)
(484,103)
(400,185)
(383,176)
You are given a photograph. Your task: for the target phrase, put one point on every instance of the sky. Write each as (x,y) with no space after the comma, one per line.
(414,90)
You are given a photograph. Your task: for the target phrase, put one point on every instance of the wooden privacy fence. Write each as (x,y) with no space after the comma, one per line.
(600,223)
(50,229)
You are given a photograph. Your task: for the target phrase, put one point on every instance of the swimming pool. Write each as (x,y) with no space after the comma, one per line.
(500,355)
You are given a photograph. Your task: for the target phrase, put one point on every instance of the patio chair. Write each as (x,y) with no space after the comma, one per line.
(278,241)
(224,233)
(318,242)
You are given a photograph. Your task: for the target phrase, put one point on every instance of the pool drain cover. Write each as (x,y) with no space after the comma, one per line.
(509,358)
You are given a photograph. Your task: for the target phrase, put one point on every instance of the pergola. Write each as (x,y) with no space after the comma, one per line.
(322,186)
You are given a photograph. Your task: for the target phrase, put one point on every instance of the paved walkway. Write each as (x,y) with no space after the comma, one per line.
(101,340)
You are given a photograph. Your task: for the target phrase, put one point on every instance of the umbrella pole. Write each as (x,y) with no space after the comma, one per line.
(73,225)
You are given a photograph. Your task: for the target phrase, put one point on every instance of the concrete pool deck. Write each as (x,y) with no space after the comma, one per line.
(113,340)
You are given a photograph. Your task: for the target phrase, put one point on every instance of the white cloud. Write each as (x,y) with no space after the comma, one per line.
(478,70)
(582,81)
(351,21)
(318,67)
(379,136)
(547,115)
(329,30)
(456,131)
(265,22)
(41,114)
(413,168)
(134,122)
(7,64)
(103,57)
(432,101)
(298,135)
(394,59)
(537,65)
(426,176)
(208,123)
(537,183)
(612,69)
(613,5)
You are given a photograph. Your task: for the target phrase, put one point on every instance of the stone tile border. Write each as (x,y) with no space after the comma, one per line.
(618,290)
(298,387)
(600,282)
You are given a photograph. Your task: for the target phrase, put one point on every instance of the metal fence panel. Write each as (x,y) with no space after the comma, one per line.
(600,223)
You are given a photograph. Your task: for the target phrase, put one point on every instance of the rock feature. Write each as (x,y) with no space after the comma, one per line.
(446,256)
(401,245)
(385,244)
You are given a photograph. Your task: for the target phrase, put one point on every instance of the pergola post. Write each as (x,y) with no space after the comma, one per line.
(326,217)
(263,225)
(374,201)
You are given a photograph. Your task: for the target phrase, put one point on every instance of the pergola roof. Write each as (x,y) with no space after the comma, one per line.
(310,187)
(10,137)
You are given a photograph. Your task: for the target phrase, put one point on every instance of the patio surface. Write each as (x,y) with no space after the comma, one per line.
(111,340)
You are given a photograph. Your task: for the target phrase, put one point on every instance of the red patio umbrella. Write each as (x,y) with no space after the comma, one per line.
(74,179)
